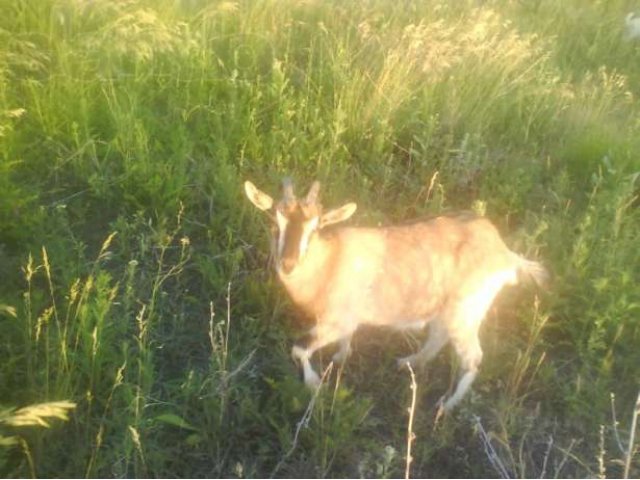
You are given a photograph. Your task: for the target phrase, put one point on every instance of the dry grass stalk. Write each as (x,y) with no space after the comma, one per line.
(410,435)
(632,436)
(602,469)
(492,455)
(304,421)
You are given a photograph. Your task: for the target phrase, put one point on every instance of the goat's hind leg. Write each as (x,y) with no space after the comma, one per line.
(470,354)
(465,317)
(463,323)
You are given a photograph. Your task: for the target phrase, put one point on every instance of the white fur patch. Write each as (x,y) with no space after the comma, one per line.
(282,222)
(307,229)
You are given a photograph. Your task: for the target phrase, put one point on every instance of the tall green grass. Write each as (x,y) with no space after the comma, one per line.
(135,276)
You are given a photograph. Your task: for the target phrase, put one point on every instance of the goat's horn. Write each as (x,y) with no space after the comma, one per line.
(312,196)
(287,189)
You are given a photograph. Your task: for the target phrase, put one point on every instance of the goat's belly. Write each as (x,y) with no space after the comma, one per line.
(400,320)
(411,325)
(378,300)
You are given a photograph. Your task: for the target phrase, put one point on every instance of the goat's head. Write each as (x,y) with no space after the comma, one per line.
(296,220)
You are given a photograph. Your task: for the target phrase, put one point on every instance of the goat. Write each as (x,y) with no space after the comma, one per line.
(444,272)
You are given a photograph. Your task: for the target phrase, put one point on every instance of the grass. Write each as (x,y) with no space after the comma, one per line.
(135,275)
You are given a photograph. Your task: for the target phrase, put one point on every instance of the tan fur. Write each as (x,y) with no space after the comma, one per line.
(444,272)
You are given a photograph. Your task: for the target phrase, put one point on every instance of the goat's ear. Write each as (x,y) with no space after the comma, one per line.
(258,198)
(338,215)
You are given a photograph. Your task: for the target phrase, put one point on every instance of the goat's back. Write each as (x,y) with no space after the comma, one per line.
(400,274)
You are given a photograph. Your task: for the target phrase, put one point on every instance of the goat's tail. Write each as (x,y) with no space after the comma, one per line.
(534,270)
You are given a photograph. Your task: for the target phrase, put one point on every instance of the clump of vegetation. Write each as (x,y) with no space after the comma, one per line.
(136,284)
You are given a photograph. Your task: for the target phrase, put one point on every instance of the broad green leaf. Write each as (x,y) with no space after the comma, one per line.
(176,421)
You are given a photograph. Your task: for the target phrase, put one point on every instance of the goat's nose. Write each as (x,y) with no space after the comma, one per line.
(288,264)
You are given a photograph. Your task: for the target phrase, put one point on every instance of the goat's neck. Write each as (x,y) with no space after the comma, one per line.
(309,279)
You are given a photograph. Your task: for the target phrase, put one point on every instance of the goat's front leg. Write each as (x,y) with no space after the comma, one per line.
(438,338)
(319,337)
(303,357)
(344,351)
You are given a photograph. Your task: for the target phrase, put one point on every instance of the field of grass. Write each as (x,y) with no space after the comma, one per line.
(136,291)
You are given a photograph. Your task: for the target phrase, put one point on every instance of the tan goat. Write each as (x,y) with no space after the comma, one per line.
(444,272)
